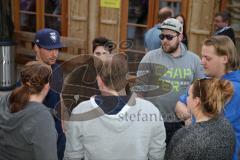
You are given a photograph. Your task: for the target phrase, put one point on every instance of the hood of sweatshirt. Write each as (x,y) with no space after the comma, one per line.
(233,76)
(10,121)
(134,112)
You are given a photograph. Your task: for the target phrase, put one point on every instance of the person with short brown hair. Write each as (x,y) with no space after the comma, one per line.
(115,119)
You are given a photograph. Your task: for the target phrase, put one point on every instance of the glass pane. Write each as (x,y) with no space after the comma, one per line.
(53,7)
(138,11)
(28,5)
(176,6)
(53,22)
(28,22)
(136,36)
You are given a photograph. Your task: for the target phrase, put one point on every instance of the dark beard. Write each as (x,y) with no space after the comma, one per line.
(172,49)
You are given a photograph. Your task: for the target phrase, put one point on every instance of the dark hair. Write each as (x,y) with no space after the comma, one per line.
(164,13)
(225,15)
(103,41)
(224,46)
(213,94)
(34,76)
(184,22)
(113,71)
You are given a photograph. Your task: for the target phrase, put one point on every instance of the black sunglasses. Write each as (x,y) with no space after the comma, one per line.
(167,36)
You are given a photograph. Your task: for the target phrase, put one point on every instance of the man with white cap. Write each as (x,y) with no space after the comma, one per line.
(46,45)
(165,73)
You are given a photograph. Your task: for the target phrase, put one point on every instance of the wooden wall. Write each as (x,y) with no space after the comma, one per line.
(200,22)
(87,20)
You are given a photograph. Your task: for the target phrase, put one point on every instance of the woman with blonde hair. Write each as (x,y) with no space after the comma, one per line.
(212,136)
(27,128)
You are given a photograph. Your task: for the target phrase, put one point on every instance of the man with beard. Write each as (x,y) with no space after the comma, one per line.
(46,45)
(166,73)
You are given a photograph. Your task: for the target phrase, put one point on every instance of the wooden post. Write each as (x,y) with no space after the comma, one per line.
(93,27)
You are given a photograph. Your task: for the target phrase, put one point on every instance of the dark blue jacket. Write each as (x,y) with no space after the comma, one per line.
(52,100)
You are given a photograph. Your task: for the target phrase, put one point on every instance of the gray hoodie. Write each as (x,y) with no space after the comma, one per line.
(163,78)
(136,132)
(27,134)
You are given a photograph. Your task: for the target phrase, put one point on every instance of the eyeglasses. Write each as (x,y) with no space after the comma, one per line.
(169,37)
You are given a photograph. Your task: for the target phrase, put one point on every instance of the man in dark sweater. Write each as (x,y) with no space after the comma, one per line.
(46,46)
(221,22)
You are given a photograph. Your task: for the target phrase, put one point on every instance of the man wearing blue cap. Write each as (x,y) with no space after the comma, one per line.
(46,45)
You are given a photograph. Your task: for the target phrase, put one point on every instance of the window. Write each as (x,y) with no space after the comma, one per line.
(140,15)
(32,15)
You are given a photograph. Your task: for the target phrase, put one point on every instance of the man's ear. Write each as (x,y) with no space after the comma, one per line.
(180,37)
(225,59)
(99,81)
(46,88)
(197,101)
(37,52)
(36,48)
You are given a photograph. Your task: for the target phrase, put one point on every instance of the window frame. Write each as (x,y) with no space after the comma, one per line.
(40,15)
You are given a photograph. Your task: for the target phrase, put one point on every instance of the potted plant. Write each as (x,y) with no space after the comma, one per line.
(7,57)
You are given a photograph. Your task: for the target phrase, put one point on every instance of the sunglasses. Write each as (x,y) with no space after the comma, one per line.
(167,36)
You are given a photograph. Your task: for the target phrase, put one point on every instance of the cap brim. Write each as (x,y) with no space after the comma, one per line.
(52,47)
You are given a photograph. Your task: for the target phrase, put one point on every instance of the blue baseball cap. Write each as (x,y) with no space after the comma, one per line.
(48,38)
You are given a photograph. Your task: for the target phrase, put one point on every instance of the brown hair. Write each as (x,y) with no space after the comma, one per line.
(164,13)
(226,16)
(34,76)
(224,46)
(184,23)
(213,94)
(104,42)
(113,71)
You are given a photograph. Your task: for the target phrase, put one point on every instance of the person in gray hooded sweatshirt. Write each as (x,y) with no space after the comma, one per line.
(115,125)
(27,128)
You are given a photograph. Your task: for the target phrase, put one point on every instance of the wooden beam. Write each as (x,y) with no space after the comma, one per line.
(151,16)
(224,4)
(184,9)
(16,14)
(93,21)
(124,21)
(64,18)
(40,14)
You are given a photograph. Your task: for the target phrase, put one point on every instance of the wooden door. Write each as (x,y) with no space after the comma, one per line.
(88,19)
(137,17)
(200,18)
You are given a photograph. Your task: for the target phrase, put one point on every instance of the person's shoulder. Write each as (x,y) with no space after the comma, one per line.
(146,105)
(153,53)
(225,123)
(152,32)
(185,135)
(85,106)
(192,55)
(152,56)
(229,29)
(37,113)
